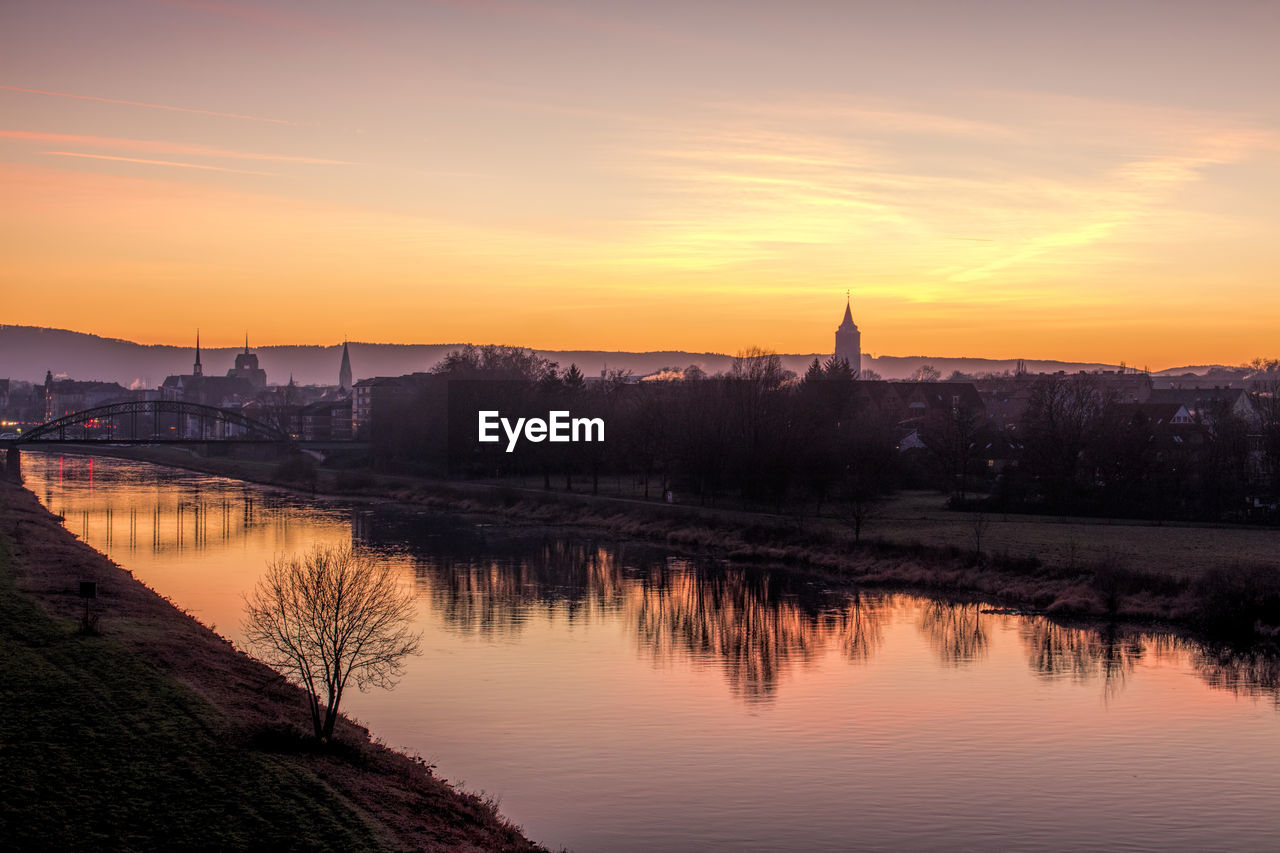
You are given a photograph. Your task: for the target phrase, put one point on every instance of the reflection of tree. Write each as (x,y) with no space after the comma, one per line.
(731,616)
(1248,672)
(753,624)
(495,597)
(955,631)
(861,627)
(1055,651)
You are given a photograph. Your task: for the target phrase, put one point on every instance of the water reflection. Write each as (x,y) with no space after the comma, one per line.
(860,626)
(957,632)
(1249,672)
(753,625)
(495,597)
(742,620)
(1103,654)
(176,514)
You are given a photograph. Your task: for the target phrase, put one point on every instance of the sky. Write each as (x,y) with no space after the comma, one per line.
(1086,181)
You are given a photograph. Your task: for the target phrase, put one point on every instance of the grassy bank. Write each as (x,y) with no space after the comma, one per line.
(1218,579)
(155,734)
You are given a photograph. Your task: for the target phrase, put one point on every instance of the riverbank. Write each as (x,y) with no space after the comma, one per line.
(151,732)
(1219,581)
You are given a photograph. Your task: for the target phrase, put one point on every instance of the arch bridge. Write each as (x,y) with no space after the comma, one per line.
(154,422)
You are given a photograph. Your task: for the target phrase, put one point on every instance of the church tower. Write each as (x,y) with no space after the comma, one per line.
(197,369)
(344,370)
(247,367)
(849,341)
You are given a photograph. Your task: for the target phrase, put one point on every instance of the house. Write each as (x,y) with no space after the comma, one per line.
(1203,403)
(66,396)
(371,397)
(924,402)
(326,420)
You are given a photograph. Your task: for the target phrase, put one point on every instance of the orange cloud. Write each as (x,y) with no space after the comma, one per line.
(155,162)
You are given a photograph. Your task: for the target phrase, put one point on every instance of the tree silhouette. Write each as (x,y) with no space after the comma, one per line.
(329,617)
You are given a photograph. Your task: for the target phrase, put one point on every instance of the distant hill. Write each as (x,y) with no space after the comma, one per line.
(27,352)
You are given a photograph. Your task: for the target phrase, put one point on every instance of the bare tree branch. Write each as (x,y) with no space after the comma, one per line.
(327,617)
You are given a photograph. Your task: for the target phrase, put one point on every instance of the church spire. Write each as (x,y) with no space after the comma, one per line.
(246,343)
(848,323)
(344,370)
(197,370)
(849,340)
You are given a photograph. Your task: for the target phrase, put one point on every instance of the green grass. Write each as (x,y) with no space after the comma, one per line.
(102,752)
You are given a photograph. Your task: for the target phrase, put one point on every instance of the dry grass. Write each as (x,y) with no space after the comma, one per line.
(158,735)
(1180,550)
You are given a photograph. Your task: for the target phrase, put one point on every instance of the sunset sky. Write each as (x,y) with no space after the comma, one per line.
(1094,181)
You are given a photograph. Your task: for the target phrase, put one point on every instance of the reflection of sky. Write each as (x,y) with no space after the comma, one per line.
(624,699)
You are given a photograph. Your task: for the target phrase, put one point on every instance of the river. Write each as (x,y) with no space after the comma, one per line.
(616,697)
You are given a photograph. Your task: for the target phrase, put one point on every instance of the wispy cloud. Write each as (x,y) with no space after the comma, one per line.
(885,188)
(202,166)
(146,105)
(165,147)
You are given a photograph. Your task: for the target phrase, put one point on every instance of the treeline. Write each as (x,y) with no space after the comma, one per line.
(758,436)
(1082,452)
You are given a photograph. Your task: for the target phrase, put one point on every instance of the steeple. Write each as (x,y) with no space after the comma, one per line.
(197,370)
(849,339)
(847,324)
(344,370)
(246,343)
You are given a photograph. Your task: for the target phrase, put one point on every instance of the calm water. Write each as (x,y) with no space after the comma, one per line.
(614,697)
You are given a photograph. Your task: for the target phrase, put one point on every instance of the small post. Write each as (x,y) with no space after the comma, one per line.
(89,623)
(13,463)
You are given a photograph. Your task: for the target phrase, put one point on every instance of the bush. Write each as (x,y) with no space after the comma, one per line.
(1113,581)
(354,481)
(297,467)
(1236,604)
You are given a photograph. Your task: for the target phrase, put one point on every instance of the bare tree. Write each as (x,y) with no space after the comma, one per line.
(979,524)
(328,617)
(925,373)
(862,507)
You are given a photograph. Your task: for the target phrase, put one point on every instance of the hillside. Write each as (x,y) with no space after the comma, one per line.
(27,352)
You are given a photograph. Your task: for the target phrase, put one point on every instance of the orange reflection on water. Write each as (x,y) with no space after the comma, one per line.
(620,697)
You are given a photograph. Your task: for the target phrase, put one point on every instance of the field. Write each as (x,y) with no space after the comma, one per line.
(1180,550)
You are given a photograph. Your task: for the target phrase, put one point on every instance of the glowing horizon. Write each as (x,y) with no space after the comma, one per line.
(1001,183)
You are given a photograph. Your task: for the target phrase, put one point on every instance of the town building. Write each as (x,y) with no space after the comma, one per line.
(370,398)
(67,396)
(228,391)
(1204,404)
(247,368)
(327,420)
